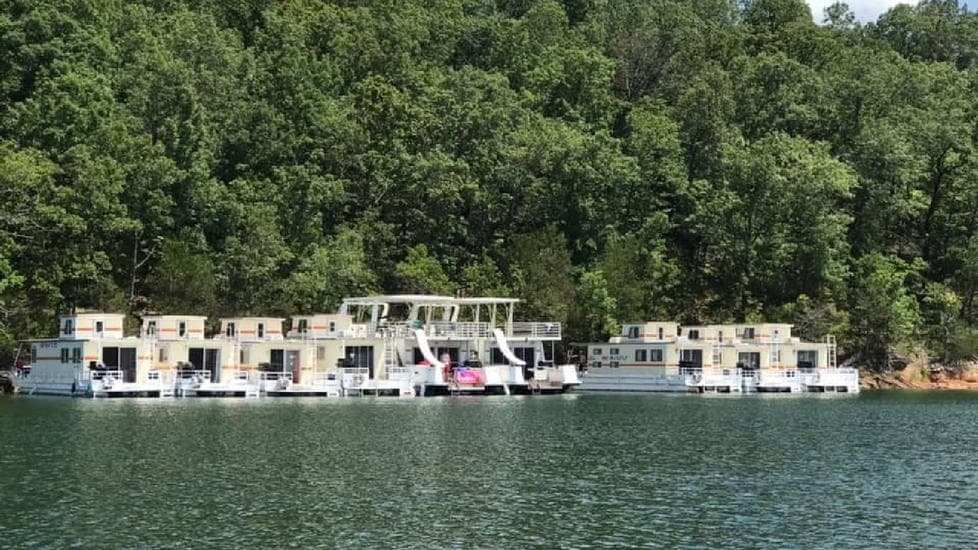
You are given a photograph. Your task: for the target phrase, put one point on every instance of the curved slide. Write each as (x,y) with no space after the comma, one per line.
(504,348)
(422,339)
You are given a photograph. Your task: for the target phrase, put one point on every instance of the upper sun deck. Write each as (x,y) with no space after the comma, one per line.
(443,317)
(727,334)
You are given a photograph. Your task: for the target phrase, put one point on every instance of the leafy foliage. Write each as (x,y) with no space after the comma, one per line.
(605,162)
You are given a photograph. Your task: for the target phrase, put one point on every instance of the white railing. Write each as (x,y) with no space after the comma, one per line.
(356,331)
(159,377)
(535,330)
(276,376)
(457,330)
(400,373)
(239,377)
(322,379)
(839,376)
(194,375)
(778,375)
(353,377)
(713,376)
(116,375)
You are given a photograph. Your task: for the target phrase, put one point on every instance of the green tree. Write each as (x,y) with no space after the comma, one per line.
(419,272)
(883,312)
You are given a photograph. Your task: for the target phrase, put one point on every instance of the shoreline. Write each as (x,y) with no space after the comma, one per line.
(911,381)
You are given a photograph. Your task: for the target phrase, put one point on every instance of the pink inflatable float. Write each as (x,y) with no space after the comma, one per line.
(468,376)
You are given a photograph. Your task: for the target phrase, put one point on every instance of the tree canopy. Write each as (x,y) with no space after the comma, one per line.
(704,161)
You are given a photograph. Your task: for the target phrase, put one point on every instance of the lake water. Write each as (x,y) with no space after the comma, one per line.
(882,470)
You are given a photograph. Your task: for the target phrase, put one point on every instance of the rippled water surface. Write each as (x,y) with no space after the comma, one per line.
(874,471)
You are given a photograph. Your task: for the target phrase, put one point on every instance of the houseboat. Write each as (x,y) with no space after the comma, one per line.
(442,345)
(737,358)
(402,345)
(92,357)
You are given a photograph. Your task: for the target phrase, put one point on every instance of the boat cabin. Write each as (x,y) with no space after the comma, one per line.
(172,327)
(90,326)
(320,325)
(252,328)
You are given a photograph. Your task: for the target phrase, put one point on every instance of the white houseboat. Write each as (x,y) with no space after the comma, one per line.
(401,345)
(91,356)
(444,345)
(759,357)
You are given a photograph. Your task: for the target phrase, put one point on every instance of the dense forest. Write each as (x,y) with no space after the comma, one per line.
(603,160)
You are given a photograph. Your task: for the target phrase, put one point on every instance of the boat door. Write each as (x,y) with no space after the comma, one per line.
(195,356)
(291,360)
(361,357)
(276,359)
(212,362)
(127,364)
(292,364)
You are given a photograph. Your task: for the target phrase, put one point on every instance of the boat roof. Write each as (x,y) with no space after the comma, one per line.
(398,298)
(91,314)
(194,317)
(486,300)
(307,315)
(252,318)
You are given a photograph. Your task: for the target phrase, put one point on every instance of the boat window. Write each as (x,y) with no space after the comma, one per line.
(33,355)
(261,330)
(613,351)
(694,335)
(64,355)
(596,364)
(69,327)
(76,355)
(660,333)
(243,357)
(332,326)
(229,332)
(615,364)
(182,329)
(633,332)
(162,355)
(748,333)
(807,359)
(749,359)
(303,326)
(655,355)
(595,351)
(641,356)
(151,328)
(99,327)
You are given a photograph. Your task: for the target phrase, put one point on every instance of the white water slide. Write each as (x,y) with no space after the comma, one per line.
(504,348)
(422,339)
